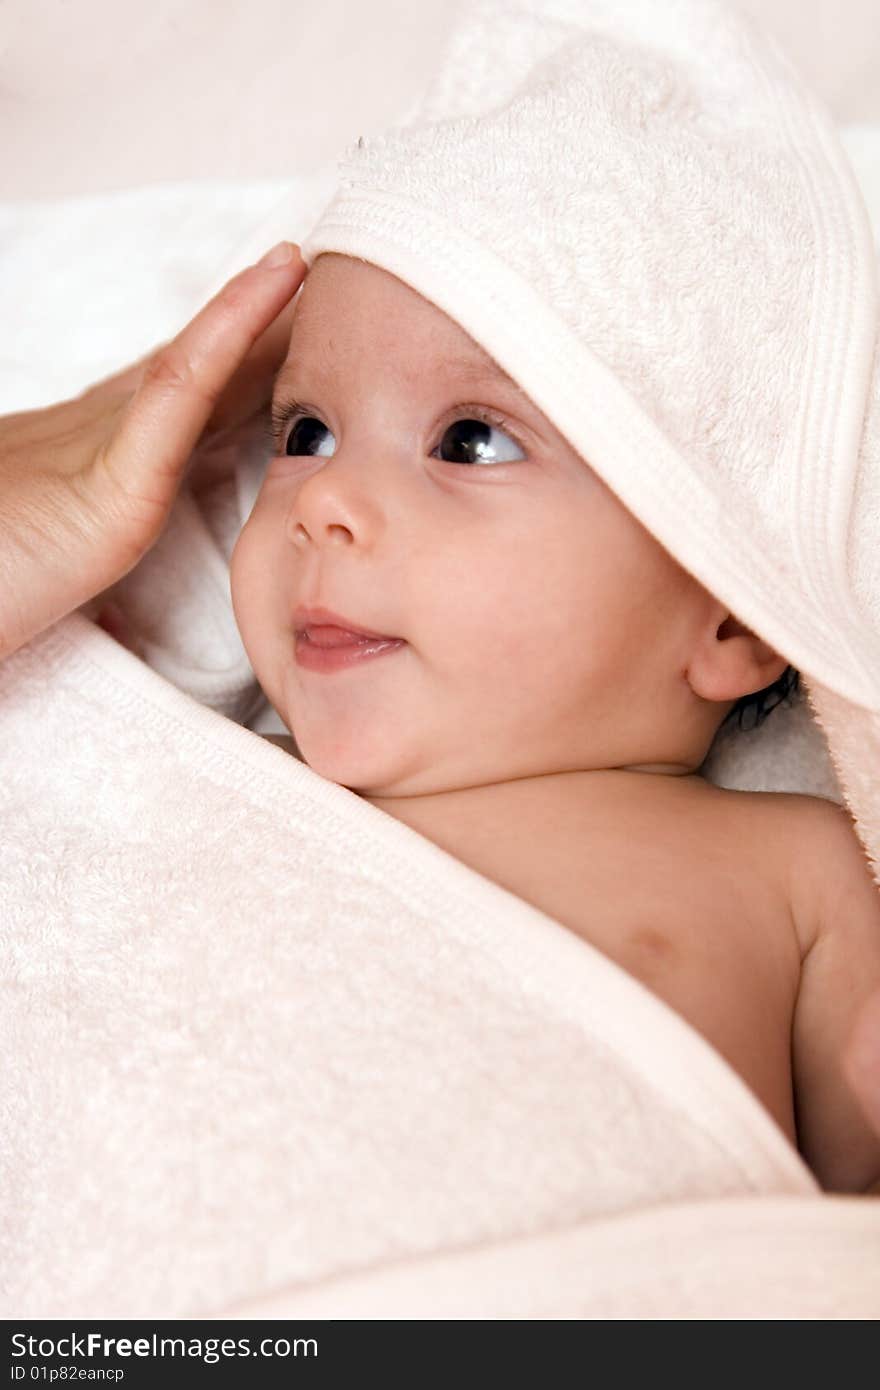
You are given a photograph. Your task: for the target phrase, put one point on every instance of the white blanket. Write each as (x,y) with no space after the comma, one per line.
(258,1033)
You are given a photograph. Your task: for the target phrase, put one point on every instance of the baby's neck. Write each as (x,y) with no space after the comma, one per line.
(459,809)
(533,835)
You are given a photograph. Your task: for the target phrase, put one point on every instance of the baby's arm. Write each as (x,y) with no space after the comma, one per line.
(836,905)
(862,1066)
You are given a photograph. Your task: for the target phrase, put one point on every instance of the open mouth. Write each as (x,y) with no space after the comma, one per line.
(332,648)
(326,636)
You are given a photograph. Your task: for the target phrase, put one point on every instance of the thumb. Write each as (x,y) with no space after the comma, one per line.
(146,456)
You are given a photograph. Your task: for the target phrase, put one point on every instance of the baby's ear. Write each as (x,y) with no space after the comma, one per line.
(730,661)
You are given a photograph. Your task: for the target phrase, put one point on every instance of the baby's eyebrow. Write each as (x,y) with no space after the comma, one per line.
(472,369)
(482,373)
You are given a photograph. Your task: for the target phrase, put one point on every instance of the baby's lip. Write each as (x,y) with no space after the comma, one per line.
(307,618)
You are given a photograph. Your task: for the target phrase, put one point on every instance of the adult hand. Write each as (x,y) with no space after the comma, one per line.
(87,485)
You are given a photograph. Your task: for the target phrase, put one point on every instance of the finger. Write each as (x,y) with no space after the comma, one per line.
(181,383)
(94,405)
(124,377)
(251,386)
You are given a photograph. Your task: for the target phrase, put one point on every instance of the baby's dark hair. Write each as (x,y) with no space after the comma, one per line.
(763,701)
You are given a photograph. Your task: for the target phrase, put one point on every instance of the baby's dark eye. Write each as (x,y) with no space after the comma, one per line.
(468,441)
(304,437)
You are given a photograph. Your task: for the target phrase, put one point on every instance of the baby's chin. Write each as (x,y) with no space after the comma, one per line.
(368,766)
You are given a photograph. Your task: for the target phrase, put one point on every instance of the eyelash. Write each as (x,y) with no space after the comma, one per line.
(289,412)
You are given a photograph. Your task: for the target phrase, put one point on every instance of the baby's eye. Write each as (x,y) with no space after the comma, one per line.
(304,436)
(467,441)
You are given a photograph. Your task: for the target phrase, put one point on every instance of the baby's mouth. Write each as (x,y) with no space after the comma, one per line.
(325,635)
(327,649)
(326,628)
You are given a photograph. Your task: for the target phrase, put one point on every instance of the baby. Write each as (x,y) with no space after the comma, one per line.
(548,687)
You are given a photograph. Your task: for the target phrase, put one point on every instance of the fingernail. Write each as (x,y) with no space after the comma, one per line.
(279,255)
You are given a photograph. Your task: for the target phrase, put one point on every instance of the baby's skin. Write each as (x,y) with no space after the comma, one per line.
(558,685)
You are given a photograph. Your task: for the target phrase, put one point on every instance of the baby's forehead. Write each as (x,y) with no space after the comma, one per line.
(330,295)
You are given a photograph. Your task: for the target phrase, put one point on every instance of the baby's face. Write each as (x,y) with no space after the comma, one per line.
(423,495)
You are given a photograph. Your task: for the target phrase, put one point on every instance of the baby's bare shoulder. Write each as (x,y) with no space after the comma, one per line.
(821,855)
(775,829)
(793,834)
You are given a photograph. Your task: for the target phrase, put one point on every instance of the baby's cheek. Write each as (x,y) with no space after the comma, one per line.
(251,588)
(243,574)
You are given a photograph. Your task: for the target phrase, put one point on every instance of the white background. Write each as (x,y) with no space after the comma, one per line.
(97,95)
